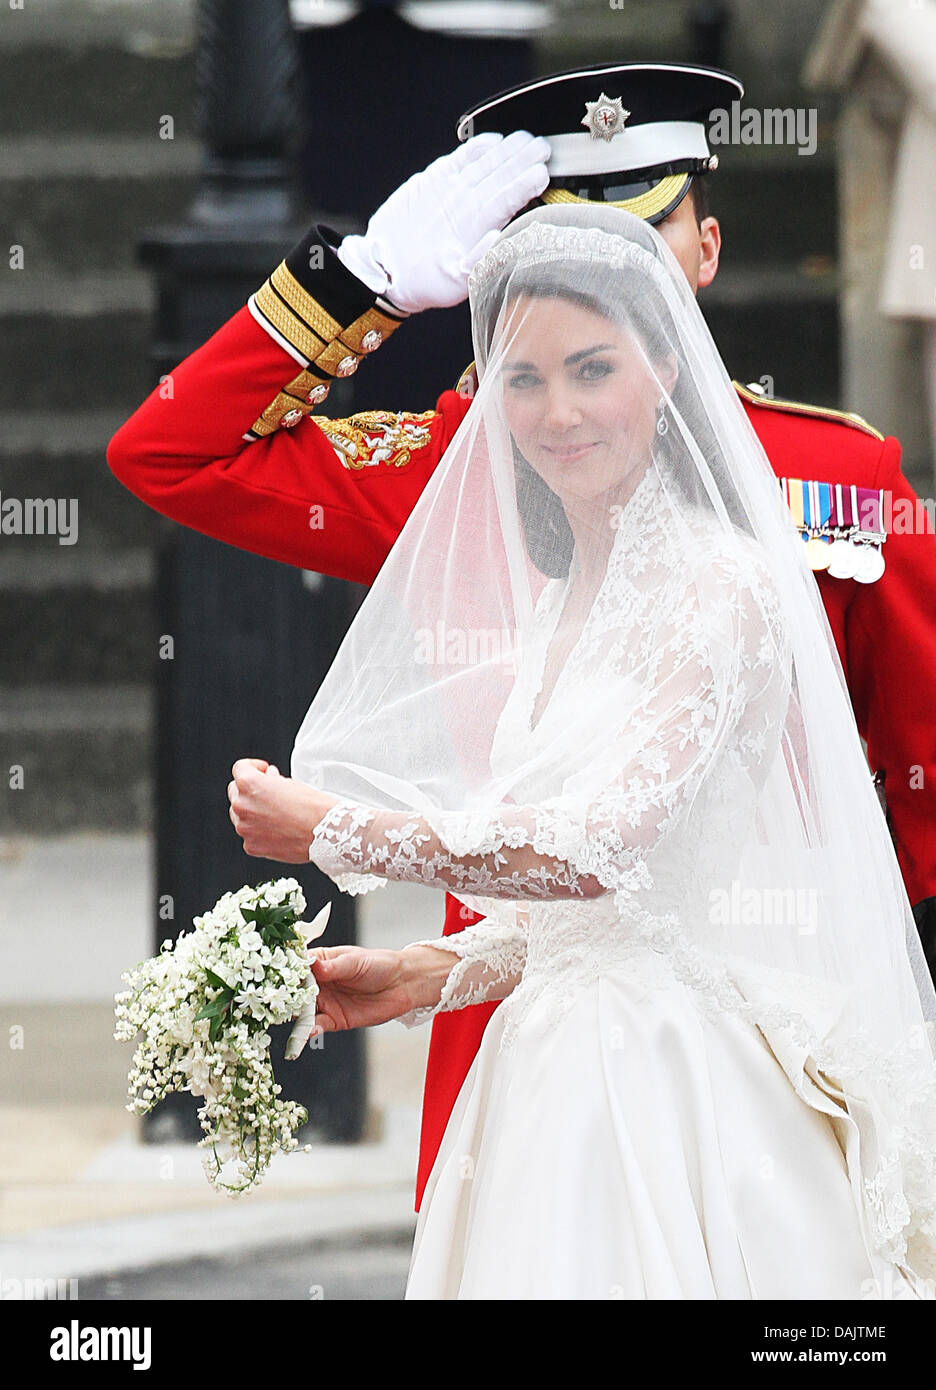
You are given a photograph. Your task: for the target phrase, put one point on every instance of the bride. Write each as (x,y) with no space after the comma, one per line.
(593,693)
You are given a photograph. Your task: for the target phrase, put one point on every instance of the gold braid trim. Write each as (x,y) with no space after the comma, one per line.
(374,322)
(293,398)
(285,322)
(302,304)
(336,356)
(643,205)
(275,412)
(332,350)
(822,412)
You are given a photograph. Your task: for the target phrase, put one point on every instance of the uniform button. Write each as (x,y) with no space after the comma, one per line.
(317,394)
(292,417)
(372,339)
(347,366)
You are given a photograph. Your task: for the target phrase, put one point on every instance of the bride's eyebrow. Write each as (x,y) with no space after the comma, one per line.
(569,361)
(586,352)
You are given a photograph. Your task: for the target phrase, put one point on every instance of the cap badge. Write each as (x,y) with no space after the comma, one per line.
(604,117)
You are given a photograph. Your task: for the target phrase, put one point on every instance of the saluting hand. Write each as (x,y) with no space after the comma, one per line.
(421,244)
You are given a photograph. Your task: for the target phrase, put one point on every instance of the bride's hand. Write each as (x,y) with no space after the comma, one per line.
(358,987)
(274,815)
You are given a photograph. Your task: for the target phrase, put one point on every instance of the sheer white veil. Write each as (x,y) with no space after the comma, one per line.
(605,526)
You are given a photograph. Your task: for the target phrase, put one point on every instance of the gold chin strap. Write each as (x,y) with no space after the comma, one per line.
(644,205)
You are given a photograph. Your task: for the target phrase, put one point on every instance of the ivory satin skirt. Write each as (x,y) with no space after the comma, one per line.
(638,1149)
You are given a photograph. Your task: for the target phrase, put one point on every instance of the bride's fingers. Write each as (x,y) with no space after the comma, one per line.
(330,954)
(344,969)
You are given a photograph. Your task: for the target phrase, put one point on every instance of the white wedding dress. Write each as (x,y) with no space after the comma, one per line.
(619,1135)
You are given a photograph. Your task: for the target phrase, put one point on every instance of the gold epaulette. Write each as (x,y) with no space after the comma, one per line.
(467,383)
(755,393)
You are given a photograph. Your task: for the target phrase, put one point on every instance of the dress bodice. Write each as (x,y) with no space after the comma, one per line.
(642,595)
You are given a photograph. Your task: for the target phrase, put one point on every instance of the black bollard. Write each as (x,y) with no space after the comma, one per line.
(251,640)
(708,26)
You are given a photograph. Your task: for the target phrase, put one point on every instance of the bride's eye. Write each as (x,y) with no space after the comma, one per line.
(521,381)
(595,368)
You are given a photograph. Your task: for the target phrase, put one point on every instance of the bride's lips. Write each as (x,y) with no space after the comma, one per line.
(569,453)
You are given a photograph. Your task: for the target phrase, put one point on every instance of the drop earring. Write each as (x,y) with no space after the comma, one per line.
(662,424)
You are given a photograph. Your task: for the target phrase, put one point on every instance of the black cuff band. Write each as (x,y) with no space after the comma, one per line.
(313,263)
(324,316)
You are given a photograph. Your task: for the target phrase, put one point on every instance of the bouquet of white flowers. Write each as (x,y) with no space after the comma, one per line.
(204,1005)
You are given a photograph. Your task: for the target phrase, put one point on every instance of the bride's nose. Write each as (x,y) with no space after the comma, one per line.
(561,409)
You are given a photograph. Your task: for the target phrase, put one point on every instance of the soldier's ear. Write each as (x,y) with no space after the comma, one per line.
(709,250)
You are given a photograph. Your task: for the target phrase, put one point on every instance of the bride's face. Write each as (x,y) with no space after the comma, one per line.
(580,397)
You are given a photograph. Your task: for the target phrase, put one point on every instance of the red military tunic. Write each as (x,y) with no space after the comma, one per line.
(215,448)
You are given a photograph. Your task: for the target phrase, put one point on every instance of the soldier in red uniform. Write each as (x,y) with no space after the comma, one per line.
(229,450)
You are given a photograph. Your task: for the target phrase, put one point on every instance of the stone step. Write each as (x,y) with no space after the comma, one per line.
(85,755)
(114,66)
(80,342)
(61,455)
(75,614)
(80,203)
(120,67)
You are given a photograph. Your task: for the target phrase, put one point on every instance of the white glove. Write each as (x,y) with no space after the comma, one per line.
(421,244)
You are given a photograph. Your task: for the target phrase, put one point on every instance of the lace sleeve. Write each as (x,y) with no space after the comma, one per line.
(704,676)
(491,957)
(524,852)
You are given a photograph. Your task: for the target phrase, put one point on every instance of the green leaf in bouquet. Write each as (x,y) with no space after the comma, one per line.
(279,917)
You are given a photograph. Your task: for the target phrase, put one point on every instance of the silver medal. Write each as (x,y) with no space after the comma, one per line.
(842,559)
(870,565)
